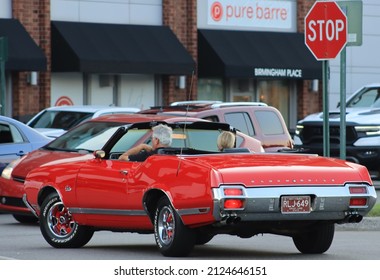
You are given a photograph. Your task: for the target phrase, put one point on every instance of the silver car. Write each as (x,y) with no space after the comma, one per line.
(17,139)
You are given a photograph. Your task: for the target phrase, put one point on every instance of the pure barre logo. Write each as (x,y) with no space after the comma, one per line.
(216,11)
(250,13)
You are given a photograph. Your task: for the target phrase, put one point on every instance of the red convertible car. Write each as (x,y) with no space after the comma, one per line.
(187,194)
(84,139)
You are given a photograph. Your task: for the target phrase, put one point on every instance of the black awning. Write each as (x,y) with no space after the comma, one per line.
(118,48)
(23,52)
(252,54)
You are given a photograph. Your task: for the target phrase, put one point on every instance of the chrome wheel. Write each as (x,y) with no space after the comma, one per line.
(58,226)
(166,225)
(173,238)
(60,221)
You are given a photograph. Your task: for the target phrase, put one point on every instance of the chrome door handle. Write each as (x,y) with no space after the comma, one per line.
(124,172)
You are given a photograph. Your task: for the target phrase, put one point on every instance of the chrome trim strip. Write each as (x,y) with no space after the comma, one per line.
(19,180)
(122,212)
(116,212)
(28,205)
(193,211)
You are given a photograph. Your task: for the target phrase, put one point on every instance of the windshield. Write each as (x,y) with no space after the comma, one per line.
(89,136)
(129,140)
(59,119)
(199,139)
(368,97)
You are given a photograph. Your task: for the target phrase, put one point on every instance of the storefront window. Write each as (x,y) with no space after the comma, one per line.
(275,93)
(101,90)
(242,90)
(137,91)
(210,89)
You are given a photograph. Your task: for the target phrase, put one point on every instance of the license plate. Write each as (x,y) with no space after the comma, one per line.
(295,204)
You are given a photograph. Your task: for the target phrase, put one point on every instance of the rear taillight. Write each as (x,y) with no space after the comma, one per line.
(233,204)
(358,190)
(358,202)
(232,192)
(233,198)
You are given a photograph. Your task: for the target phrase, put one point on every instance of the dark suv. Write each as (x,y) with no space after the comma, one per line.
(255,119)
(362,130)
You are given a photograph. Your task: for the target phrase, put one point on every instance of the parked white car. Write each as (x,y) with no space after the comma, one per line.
(55,121)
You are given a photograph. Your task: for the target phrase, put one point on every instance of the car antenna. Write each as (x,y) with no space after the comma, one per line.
(186,115)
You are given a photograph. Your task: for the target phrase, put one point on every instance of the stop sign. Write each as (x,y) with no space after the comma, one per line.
(325,30)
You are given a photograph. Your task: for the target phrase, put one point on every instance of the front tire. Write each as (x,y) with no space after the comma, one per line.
(59,228)
(316,241)
(173,238)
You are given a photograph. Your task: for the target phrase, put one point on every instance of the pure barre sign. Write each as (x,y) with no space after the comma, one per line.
(325,30)
(250,13)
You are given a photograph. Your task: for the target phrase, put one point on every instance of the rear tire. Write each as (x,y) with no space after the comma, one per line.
(173,238)
(59,228)
(316,241)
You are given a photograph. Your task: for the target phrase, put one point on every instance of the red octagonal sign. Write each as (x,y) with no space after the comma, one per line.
(325,30)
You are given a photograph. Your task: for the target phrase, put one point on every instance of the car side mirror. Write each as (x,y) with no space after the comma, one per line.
(99,154)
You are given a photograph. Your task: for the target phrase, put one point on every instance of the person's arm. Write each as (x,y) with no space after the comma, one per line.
(135,150)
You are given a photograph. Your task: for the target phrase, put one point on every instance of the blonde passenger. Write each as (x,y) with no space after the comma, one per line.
(226,140)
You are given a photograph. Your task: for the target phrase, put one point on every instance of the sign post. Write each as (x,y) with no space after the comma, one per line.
(353,9)
(325,36)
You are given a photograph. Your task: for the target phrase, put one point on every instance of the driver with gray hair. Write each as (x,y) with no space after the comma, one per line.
(161,137)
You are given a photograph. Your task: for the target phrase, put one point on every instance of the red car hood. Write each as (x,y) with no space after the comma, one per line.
(284,170)
(37,158)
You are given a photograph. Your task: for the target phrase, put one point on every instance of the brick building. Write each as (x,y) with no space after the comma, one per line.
(90,77)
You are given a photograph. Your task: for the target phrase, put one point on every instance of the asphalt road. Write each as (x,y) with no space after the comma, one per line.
(25,242)
(355,250)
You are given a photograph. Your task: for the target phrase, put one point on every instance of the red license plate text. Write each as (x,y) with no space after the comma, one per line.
(295,204)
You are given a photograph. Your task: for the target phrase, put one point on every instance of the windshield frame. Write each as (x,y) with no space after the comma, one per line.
(76,138)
